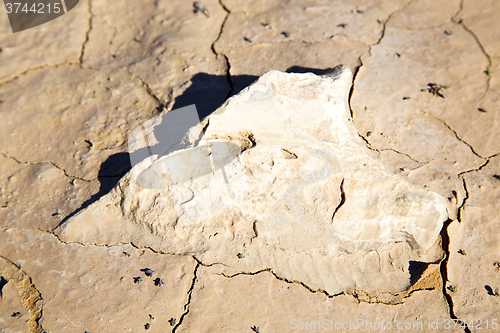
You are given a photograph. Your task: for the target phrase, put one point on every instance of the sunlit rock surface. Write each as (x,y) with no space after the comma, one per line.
(302,195)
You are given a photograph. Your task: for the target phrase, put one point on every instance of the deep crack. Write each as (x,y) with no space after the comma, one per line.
(217,54)
(189,293)
(445,243)
(87,33)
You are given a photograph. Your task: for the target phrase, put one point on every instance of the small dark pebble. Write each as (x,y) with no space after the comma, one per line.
(286,33)
(481,109)
(448,32)
(126,253)
(398,55)
(151,316)
(342,25)
(148,271)
(240,255)
(368,133)
(16,314)
(406,98)
(247,39)
(255,329)
(147,326)
(158,282)
(497,177)
(172,321)
(359,11)
(137,279)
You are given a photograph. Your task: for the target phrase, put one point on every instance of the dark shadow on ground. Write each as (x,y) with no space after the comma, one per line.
(3,282)
(208,92)
(416,269)
(110,172)
(317,71)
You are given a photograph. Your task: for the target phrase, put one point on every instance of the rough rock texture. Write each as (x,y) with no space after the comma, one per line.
(88,111)
(162,56)
(93,289)
(474,268)
(230,304)
(57,41)
(305,198)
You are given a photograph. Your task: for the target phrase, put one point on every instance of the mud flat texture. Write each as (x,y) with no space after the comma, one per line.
(367,200)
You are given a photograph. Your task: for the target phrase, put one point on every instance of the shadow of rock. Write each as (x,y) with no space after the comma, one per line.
(208,92)
(110,172)
(317,71)
(3,282)
(416,270)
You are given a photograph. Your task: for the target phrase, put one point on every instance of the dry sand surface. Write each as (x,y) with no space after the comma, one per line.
(73,89)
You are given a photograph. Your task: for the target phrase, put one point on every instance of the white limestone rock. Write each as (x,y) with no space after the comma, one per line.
(304,198)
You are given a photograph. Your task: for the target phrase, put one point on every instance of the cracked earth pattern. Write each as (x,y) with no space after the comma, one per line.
(73,89)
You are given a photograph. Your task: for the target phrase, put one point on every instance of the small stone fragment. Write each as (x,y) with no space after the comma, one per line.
(147,326)
(16,315)
(151,316)
(148,271)
(240,255)
(255,329)
(198,7)
(437,89)
(172,321)
(159,282)
(138,279)
(481,110)
(448,32)
(286,33)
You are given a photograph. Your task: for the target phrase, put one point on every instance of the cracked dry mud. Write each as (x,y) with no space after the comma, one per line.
(72,90)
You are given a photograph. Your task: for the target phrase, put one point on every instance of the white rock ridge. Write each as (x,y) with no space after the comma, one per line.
(304,198)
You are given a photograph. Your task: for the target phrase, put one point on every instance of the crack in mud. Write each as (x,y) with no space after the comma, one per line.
(481,47)
(444,274)
(386,298)
(189,293)
(55,166)
(458,138)
(30,296)
(217,54)
(87,33)
(445,244)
